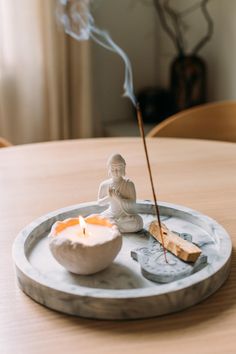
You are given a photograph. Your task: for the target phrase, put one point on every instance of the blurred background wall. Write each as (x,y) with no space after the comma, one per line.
(52,87)
(136,27)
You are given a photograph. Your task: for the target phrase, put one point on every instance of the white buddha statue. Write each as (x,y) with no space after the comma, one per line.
(119,193)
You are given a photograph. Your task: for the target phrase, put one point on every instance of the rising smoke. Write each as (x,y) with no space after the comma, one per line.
(76,18)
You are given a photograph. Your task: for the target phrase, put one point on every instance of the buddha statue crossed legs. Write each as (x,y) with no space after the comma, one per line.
(119,193)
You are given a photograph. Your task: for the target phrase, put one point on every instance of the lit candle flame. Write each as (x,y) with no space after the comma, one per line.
(83,224)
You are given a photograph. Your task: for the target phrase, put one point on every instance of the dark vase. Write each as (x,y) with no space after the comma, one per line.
(188,81)
(156,104)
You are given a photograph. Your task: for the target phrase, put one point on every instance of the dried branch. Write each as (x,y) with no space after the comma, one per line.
(190,9)
(176,21)
(210,29)
(165,25)
(175,17)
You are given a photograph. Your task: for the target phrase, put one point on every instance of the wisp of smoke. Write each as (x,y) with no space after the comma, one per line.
(78,22)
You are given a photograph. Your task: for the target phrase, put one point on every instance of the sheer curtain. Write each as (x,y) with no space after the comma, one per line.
(44,75)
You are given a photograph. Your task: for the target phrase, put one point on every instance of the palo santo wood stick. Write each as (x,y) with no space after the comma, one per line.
(181,248)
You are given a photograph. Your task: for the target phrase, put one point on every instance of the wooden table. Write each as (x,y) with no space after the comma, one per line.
(36,179)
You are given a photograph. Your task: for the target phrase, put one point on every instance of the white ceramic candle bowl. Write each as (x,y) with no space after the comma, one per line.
(86,253)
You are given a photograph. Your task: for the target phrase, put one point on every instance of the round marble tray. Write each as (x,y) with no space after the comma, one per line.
(120,291)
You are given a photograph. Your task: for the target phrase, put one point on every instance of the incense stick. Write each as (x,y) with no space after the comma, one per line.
(141,129)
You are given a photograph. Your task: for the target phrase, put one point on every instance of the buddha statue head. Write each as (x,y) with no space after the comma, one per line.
(116,166)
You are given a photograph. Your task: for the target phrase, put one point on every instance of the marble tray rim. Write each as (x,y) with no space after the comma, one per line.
(24,266)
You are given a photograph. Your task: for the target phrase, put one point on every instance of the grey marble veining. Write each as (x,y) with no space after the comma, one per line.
(120,291)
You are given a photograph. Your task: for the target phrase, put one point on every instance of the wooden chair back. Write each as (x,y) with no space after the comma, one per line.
(4,142)
(213,121)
